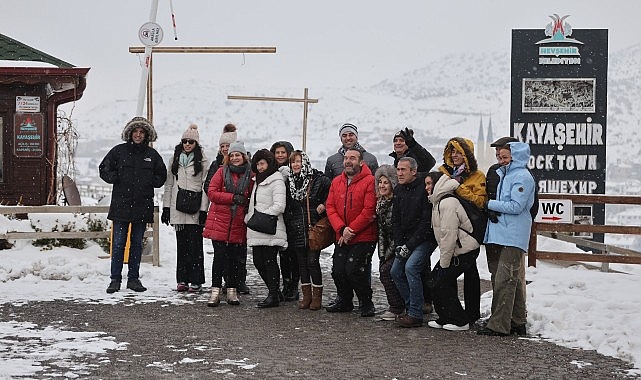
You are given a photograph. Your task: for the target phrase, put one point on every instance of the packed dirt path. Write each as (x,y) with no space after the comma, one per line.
(166,340)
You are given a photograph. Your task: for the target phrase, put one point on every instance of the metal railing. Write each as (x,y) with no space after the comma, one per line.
(52,209)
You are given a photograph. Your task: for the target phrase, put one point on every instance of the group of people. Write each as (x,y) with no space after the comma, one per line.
(267,201)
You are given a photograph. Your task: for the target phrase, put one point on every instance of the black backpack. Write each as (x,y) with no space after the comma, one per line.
(477,216)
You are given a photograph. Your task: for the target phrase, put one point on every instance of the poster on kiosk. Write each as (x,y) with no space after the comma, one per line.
(559,107)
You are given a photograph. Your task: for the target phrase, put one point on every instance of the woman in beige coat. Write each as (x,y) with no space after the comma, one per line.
(187,170)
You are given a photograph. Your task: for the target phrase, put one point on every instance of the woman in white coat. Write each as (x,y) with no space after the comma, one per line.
(269,197)
(187,170)
(459,251)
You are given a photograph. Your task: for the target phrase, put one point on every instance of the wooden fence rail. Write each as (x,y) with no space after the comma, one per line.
(611,254)
(52,209)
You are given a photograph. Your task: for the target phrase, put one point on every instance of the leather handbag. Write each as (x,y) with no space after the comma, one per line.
(320,235)
(188,201)
(262,222)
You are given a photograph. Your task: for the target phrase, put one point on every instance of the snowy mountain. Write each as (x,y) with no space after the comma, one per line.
(447,97)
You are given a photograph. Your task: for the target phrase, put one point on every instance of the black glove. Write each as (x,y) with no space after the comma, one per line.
(403,252)
(202,218)
(408,136)
(240,200)
(164,218)
(493,216)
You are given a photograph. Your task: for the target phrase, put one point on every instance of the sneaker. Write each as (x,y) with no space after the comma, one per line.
(453,327)
(490,332)
(408,321)
(435,325)
(113,287)
(518,330)
(194,288)
(182,287)
(135,285)
(388,316)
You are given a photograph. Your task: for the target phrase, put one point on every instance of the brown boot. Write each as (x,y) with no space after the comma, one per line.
(307,296)
(317,297)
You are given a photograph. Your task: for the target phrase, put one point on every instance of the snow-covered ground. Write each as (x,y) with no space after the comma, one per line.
(574,307)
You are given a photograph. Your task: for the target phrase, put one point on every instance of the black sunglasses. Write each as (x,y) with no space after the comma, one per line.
(185,141)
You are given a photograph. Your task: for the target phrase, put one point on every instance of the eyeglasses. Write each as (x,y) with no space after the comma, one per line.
(185,141)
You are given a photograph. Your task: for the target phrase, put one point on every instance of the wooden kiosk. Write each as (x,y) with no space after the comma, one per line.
(29,100)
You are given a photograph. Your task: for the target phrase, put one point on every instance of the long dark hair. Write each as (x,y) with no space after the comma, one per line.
(198,158)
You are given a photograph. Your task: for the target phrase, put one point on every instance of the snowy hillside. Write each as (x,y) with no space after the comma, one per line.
(445,98)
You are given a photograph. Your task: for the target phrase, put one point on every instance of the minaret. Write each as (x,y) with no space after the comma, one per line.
(480,141)
(490,138)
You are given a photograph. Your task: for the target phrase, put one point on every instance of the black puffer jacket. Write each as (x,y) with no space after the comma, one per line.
(134,170)
(296,211)
(412,215)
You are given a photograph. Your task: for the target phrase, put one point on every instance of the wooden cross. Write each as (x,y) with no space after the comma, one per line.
(305,100)
(188,49)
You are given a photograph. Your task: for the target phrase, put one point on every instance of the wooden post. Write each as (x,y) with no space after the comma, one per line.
(305,100)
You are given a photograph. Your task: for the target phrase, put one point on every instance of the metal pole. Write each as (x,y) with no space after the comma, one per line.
(144,73)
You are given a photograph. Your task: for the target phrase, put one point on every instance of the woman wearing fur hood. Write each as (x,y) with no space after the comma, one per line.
(460,164)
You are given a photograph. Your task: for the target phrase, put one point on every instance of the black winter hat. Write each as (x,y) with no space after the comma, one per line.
(263,154)
(503,141)
(285,144)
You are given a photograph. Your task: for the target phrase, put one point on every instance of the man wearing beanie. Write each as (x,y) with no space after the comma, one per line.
(348,134)
(134,169)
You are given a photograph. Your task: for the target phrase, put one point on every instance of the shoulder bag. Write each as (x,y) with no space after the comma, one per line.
(321,235)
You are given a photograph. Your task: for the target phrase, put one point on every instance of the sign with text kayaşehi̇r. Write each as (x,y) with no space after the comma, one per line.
(559,107)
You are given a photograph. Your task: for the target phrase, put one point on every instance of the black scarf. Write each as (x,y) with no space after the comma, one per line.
(243,181)
(260,177)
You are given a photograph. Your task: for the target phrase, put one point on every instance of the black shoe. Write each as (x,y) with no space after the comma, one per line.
(270,301)
(490,332)
(518,330)
(340,307)
(113,287)
(368,310)
(291,294)
(135,285)
(242,288)
(335,300)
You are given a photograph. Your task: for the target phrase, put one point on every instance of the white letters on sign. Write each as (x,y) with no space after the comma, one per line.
(554,211)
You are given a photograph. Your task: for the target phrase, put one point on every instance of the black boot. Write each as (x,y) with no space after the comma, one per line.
(341,305)
(270,301)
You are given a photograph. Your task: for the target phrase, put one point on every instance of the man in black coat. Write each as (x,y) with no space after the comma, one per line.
(134,169)
(413,237)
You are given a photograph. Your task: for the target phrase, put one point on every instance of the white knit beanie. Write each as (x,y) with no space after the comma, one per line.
(191,133)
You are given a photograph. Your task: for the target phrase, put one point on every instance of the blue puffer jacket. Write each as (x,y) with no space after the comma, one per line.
(515,196)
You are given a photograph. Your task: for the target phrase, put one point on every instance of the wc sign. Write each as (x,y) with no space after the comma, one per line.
(555,211)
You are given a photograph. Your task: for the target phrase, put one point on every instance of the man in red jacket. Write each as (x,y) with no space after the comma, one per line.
(351,208)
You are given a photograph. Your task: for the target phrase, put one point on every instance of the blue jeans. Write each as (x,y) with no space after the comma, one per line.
(119,241)
(407,277)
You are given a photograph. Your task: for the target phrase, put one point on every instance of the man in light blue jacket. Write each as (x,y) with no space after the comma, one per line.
(511,236)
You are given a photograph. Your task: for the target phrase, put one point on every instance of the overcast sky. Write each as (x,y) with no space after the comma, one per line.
(331,42)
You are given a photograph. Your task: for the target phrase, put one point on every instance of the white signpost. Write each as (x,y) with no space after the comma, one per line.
(555,211)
